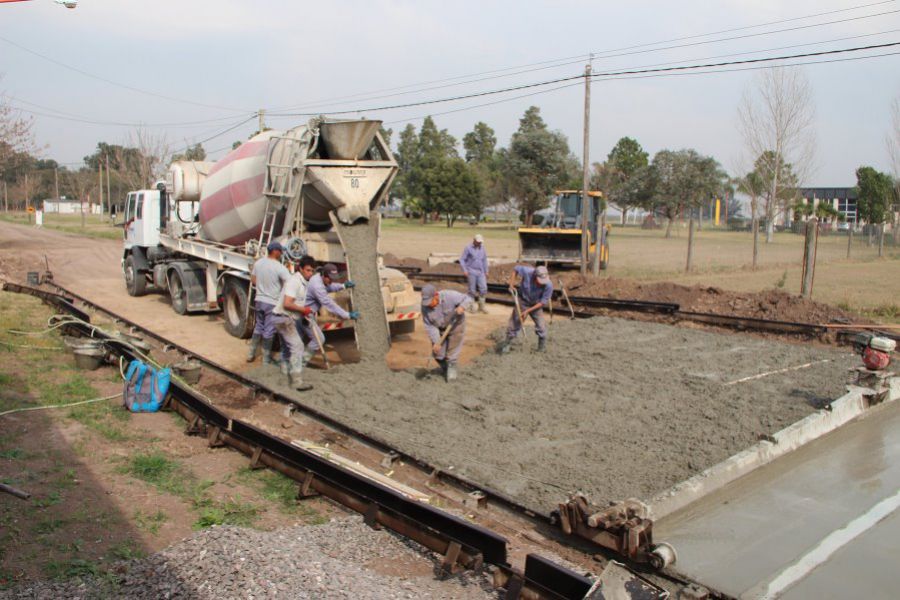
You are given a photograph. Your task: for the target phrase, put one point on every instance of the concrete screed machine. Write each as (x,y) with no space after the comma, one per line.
(198,234)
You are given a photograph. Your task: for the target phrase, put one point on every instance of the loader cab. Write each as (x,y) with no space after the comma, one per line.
(141,218)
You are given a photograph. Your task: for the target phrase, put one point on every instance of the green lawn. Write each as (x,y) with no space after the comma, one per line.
(95,226)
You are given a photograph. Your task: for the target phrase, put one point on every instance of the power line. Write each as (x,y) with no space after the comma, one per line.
(114,83)
(219,134)
(556,63)
(66,116)
(575,77)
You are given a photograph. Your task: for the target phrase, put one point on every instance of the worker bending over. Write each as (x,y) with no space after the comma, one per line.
(444,315)
(285,315)
(534,291)
(319,286)
(474,265)
(268,276)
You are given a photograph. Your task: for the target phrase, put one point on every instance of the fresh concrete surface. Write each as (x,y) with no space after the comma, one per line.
(742,537)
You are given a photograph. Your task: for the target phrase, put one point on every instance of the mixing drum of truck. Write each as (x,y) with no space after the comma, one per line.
(199,242)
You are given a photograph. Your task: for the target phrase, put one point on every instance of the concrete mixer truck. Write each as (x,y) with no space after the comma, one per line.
(196,236)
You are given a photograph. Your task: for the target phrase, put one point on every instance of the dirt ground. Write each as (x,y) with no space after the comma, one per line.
(107,485)
(615,408)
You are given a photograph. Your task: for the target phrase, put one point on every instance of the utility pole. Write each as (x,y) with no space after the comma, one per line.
(809,257)
(262,119)
(27,203)
(586,175)
(100,181)
(108,193)
(6,196)
(56,182)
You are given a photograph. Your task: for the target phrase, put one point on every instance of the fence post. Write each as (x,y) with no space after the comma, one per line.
(809,257)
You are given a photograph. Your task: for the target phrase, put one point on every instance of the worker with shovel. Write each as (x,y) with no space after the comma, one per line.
(444,315)
(285,315)
(533,293)
(474,265)
(319,286)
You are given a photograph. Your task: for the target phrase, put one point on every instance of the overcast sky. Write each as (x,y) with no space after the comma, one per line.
(219,61)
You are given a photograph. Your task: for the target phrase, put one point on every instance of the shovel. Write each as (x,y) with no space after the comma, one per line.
(565,294)
(321,344)
(423,372)
(515,296)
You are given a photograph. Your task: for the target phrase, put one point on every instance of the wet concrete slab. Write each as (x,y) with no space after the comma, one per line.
(741,538)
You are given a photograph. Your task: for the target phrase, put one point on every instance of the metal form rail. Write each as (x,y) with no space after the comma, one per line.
(462,544)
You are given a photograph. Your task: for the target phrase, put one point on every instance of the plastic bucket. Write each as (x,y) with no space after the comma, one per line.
(34,278)
(188,370)
(89,359)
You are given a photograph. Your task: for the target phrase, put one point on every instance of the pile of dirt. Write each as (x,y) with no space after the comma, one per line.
(775,305)
(615,408)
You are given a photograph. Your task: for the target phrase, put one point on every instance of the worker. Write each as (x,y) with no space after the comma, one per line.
(534,292)
(319,286)
(474,265)
(268,277)
(442,310)
(284,317)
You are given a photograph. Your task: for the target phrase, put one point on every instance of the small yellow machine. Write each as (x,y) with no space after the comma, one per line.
(555,236)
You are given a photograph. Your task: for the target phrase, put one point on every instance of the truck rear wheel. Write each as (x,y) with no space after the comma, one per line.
(177,293)
(239,321)
(135,281)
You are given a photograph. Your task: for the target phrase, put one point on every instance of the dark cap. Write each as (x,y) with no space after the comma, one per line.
(428,293)
(273,246)
(542,275)
(330,270)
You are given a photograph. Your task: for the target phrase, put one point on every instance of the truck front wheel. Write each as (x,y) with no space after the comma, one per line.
(239,320)
(135,281)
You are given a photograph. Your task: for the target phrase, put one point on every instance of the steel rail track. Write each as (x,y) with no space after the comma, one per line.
(463,544)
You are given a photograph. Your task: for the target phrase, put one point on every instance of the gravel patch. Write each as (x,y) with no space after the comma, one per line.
(340,559)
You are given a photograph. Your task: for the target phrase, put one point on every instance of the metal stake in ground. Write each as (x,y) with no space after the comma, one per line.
(565,294)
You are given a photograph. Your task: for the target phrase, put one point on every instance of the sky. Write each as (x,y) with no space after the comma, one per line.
(187,71)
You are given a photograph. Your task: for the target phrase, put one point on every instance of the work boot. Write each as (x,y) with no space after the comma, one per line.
(298,384)
(254,347)
(503,346)
(542,345)
(285,368)
(450,374)
(471,308)
(267,351)
(482,301)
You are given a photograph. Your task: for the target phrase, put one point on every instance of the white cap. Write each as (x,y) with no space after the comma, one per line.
(479,238)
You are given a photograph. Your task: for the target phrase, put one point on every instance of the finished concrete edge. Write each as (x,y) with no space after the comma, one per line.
(846,408)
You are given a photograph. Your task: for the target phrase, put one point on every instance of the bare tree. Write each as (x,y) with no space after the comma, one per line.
(141,159)
(776,115)
(16,137)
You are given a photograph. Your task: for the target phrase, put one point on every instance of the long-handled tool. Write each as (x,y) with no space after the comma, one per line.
(565,294)
(515,296)
(321,343)
(422,373)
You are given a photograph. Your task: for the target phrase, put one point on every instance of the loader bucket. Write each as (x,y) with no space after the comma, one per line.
(562,246)
(347,140)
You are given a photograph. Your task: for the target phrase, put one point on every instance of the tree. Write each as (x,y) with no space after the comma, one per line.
(754,186)
(777,116)
(195,152)
(450,187)
(624,161)
(875,197)
(537,163)
(17,142)
(480,144)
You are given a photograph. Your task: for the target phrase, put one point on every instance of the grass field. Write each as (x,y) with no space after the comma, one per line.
(95,226)
(865,282)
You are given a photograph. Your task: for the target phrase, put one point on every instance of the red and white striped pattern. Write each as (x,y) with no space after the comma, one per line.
(232,205)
